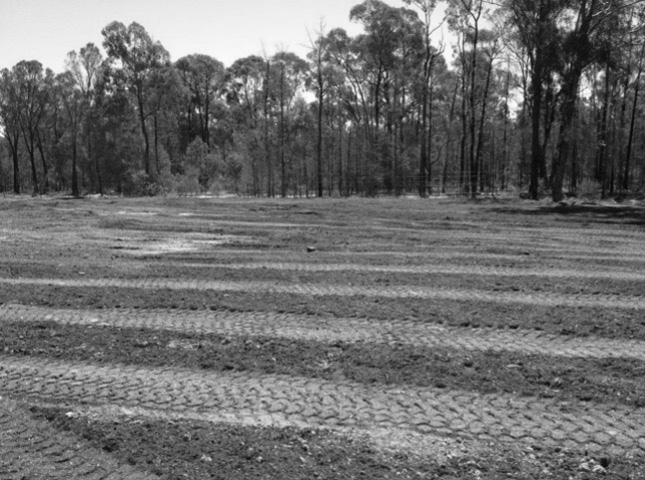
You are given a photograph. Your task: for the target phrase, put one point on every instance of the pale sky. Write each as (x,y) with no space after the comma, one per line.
(46,30)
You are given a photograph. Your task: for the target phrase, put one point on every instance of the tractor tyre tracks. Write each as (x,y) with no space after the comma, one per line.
(324,290)
(334,329)
(32,449)
(256,399)
(277,400)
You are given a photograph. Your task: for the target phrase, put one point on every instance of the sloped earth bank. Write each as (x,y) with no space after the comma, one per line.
(331,339)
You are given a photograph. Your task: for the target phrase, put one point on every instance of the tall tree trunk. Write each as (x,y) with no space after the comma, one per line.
(550,111)
(449,140)
(341,177)
(283,174)
(267,151)
(13,139)
(430,138)
(423,156)
(144,132)
(505,156)
(75,190)
(474,170)
(2,179)
(632,123)
(601,165)
(41,150)
(13,146)
(34,173)
(482,121)
(29,143)
(74,121)
(319,140)
(377,97)
(574,167)
(156,142)
(319,143)
(464,138)
(536,114)
(567,115)
(206,135)
(92,154)
(348,166)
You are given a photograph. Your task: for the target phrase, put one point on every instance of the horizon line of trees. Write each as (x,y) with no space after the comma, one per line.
(539,96)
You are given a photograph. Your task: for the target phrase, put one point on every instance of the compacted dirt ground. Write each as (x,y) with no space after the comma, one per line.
(330,339)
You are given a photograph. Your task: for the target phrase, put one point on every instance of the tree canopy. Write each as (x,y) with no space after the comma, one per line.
(537,97)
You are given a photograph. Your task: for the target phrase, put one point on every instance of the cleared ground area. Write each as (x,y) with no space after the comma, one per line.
(292,339)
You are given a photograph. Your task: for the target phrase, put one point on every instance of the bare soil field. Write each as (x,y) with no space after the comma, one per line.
(332,339)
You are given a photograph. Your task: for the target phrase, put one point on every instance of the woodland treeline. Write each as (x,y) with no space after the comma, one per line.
(538,96)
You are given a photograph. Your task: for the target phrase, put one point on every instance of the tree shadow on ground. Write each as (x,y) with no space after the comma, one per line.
(586,212)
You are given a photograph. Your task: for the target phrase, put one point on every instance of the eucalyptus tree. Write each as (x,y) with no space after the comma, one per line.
(245,90)
(318,65)
(562,39)
(390,50)
(640,59)
(302,125)
(72,100)
(584,31)
(429,58)
(166,98)
(342,52)
(33,93)
(291,71)
(374,48)
(136,57)
(330,85)
(10,120)
(204,76)
(445,104)
(86,68)
(536,29)
(616,76)
(490,50)
(248,99)
(465,17)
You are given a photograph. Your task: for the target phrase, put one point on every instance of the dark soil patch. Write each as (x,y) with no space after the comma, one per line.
(204,451)
(198,450)
(574,321)
(615,214)
(481,282)
(608,380)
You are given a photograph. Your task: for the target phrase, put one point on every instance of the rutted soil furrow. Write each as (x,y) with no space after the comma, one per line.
(215,226)
(440,229)
(395,292)
(168,244)
(202,450)
(332,329)
(446,279)
(306,403)
(557,320)
(444,275)
(606,381)
(34,450)
(446,262)
(249,453)
(521,259)
(427,269)
(554,252)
